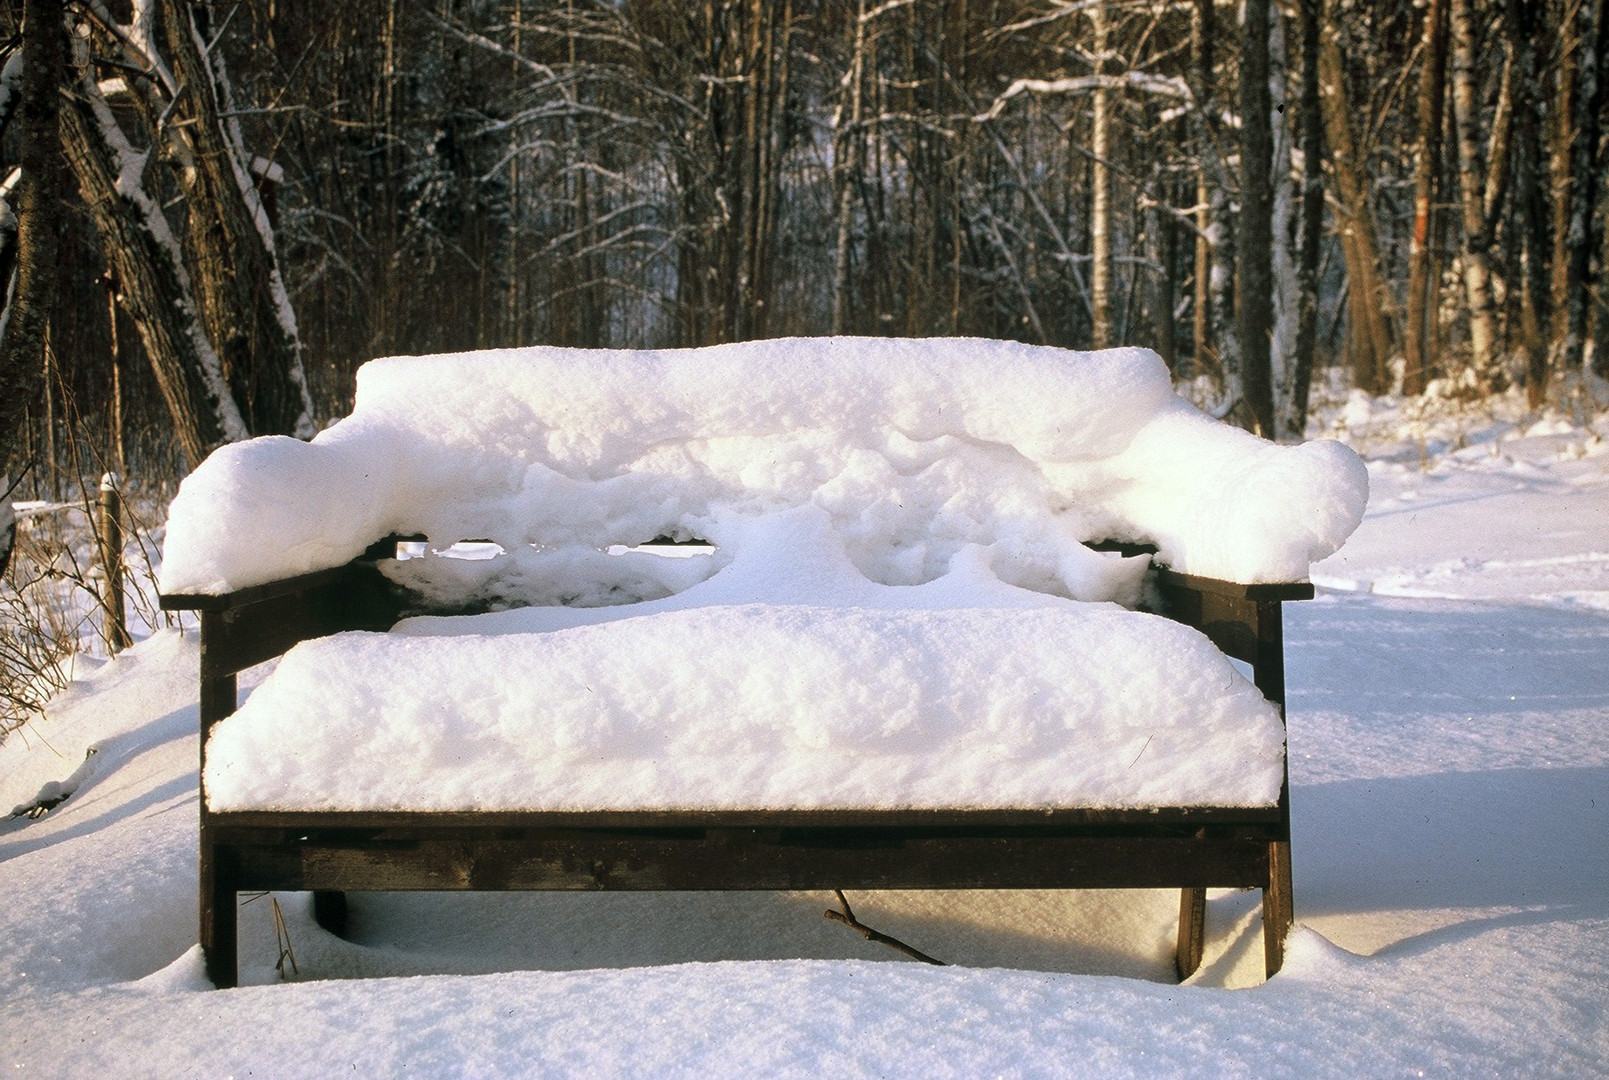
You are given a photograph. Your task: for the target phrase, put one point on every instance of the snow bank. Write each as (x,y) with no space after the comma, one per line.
(916,448)
(787,680)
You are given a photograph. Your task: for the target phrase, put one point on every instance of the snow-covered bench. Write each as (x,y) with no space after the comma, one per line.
(897,661)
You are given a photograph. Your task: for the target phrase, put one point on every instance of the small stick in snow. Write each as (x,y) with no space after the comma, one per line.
(847,917)
(282,937)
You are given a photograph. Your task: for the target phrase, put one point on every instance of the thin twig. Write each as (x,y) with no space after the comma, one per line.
(282,936)
(847,917)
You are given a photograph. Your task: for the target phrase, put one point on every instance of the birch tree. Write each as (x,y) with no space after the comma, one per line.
(1472,187)
(1100,214)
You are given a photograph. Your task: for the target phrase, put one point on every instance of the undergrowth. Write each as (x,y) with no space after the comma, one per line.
(53,600)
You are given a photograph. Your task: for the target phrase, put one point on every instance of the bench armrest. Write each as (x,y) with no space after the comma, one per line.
(1261,593)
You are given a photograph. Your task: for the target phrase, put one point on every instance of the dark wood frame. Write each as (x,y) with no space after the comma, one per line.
(330,853)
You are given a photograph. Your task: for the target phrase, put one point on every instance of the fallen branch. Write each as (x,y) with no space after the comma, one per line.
(282,936)
(847,917)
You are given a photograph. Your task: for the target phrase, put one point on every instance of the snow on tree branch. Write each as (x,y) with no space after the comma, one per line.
(1167,86)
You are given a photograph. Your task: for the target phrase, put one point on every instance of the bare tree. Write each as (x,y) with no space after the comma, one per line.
(30,84)
(1253,229)
(1420,344)
(1311,128)
(1592,37)
(1522,25)
(1368,298)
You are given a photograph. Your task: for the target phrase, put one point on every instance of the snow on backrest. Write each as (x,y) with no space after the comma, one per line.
(916,449)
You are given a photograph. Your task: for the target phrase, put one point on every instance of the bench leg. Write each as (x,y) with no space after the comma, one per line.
(220,917)
(329,911)
(1278,908)
(1192,931)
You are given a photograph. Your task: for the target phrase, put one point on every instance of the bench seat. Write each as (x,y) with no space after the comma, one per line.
(1053,704)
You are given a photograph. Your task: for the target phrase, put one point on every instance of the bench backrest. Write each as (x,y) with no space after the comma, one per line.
(914,448)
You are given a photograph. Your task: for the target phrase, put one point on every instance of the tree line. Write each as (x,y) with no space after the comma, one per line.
(210,213)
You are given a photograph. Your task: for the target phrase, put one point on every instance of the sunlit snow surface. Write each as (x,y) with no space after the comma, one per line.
(1450,771)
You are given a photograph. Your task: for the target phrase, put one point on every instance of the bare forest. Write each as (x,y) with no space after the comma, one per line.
(211,213)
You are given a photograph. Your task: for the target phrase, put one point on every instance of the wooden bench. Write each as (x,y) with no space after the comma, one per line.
(331,852)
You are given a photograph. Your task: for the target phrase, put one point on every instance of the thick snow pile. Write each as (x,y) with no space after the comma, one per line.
(786,680)
(915,448)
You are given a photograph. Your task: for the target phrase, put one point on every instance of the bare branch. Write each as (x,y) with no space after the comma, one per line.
(847,917)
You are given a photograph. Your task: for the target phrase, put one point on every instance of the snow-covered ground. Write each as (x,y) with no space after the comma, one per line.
(1449,726)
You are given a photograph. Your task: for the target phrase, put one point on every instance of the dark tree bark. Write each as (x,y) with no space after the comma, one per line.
(1203,31)
(1312,221)
(1419,345)
(1561,131)
(1523,24)
(1254,229)
(30,285)
(1584,164)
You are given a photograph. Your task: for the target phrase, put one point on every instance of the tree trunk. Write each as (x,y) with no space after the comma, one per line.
(1471,182)
(1202,25)
(1369,301)
(28,278)
(1563,117)
(1166,286)
(1312,222)
(1590,29)
(1253,231)
(1419,346)
(1523,24)
(236,277)
(1100,209)
(154,286)
(846,172)
(1287,279)
(30,282)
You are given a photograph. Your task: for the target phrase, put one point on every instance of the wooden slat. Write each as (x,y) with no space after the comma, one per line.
(252,595)
(236,637)
(1192,931)
(1279,911)
(1275,591)
(744,861)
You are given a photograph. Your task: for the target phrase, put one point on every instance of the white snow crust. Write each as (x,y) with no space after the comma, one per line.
(786,680)
(915,448)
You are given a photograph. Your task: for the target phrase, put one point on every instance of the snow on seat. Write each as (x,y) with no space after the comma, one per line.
(901,612)
(786,681)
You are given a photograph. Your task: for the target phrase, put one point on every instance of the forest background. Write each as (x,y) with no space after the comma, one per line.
(212,213)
